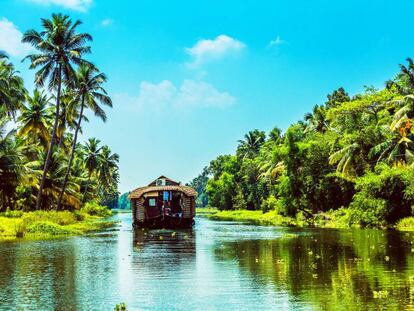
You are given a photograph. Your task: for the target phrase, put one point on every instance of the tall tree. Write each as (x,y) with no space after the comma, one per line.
(12,91)
(316,120)
(250,145)
(11,162)
(337,97)
(59,48)
(91,94)
(107,168)
(91,151)
(34,119)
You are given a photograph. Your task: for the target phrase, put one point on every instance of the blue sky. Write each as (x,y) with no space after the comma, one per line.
(190,78)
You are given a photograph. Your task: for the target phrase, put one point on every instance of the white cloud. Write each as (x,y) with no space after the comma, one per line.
(156,95)
(107,22)
(276,42)
(198,93)
(206,50)
(190,94)
(78,5)
(10,39)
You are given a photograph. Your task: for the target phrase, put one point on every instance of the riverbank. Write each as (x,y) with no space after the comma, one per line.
(334,219)
(46,224)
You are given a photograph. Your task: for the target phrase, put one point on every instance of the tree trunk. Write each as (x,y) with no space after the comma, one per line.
(65,181)
(52,141)
(86,188)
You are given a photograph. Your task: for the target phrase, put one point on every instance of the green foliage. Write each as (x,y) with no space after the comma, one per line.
(20,229)
(124,202)
(350,162)
(13,214)
(384,196)
(94,209)
(121,307)
(42,167)
(60,218)
(222,191)
(49,223)
(406,224)
(49,228)
(270,204)
(199,184)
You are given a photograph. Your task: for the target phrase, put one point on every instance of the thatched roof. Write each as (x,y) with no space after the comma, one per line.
(139,192)
(171,186)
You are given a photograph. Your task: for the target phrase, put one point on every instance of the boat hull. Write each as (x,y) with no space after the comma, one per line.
(165,222)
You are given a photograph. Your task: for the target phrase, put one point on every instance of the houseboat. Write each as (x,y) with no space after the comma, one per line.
(164,203)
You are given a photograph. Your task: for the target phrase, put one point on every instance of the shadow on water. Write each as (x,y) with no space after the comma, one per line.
(333,269)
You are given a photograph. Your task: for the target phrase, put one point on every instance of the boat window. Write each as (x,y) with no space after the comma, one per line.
(152,202)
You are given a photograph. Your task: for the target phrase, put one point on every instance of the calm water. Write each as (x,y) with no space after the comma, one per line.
(215,266)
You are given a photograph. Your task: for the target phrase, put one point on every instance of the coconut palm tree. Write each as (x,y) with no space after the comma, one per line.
(91,94)
(398,146)
(12,91)
(59,48)
(251,143)
(68,115)
(316,120)
(91,152)
(107,168)
(11,163)
(56,173)
(35,118)
(346,159)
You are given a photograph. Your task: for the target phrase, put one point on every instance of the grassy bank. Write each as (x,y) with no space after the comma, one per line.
(45,224)
(332,219)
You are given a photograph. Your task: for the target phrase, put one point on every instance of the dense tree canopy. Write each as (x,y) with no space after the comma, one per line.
(354,152)
(42,165)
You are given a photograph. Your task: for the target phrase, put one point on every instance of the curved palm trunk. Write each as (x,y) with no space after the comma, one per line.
(52,141)
(65,181)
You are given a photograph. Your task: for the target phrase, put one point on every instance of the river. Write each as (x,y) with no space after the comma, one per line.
(215,266)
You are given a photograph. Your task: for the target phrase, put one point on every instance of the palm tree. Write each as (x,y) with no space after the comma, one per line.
(405,86)
(90,93)
(54,179)
(91,151)
(251,144)
(346,159)
(68,115)
(398,147)
(11,163)
(35,118)
(59,48)
(12,91)
(107,168)
(316,120)
(272,169)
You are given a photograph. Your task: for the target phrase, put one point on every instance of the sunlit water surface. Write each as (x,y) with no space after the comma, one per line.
(215,266)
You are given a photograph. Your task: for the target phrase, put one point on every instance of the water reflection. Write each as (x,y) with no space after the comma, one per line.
(215,266)
(333,269)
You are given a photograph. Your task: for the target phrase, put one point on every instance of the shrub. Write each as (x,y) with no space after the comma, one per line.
(368,211)
(13,214)
(121,307)
(94,209)
(383,197)
(20,229)
(61,218)
(406,224)
(47,227)
(78,215)
(269,204)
